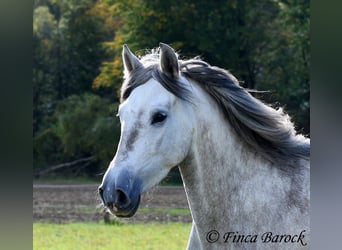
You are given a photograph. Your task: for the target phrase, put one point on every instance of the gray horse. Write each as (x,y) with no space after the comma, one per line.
(244,168)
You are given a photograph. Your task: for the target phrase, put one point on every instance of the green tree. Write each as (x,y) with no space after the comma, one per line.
(44,64)
(224,33)
(83,126)
(255,40)
(68,39)
(68,50)
(285,64)
(79,49)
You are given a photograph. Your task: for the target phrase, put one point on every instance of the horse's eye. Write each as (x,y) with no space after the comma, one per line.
(158,117)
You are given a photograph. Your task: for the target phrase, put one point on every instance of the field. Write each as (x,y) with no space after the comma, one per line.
(69,216)
(94,236)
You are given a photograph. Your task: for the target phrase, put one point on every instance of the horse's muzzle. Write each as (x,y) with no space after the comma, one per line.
(120,193)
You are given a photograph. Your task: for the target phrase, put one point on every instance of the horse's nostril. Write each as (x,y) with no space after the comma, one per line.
(122,200)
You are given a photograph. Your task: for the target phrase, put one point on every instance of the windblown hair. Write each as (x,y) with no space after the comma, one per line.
(265,130)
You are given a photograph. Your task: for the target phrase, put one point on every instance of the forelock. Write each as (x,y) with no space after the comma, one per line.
(150,70)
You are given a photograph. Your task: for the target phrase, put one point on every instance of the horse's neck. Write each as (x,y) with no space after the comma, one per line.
(223,180)
(215,168)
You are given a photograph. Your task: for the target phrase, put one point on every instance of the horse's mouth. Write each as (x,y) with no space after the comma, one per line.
(125,212)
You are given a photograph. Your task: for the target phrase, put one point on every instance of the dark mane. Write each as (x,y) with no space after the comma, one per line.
(150,70)
(265,130)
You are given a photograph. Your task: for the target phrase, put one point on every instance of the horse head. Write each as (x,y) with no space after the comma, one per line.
(156,131)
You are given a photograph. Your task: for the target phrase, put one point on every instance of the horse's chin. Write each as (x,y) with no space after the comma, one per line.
(127,212)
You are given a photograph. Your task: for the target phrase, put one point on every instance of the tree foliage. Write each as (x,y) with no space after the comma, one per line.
(264,43)
(86,125)
(68,48)
(82,126)
(77,53)
(285,64)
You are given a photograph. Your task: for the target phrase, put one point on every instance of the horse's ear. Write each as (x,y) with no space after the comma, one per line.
(130,61)
(168,61)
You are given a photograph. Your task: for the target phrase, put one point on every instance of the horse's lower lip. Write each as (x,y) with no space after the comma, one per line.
(128,211)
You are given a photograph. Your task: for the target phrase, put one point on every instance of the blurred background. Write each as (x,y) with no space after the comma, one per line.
(77,68)
(77,74)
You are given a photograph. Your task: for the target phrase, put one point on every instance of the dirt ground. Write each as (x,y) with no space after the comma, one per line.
(61,203)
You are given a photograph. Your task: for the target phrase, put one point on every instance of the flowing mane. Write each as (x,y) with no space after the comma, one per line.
(243,166)
(263,129)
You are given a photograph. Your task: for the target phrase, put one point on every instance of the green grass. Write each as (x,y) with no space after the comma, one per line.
(145,210)
(95,236)
(172,211)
